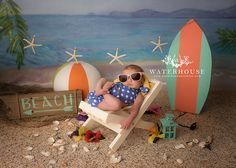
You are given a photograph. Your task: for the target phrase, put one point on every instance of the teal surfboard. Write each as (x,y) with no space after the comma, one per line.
(189,63)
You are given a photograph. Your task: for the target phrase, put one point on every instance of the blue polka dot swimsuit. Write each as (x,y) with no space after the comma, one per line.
(124,93)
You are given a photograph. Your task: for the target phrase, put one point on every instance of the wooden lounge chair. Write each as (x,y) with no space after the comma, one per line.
(112,120)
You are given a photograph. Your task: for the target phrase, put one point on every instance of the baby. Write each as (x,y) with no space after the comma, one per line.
(112,96)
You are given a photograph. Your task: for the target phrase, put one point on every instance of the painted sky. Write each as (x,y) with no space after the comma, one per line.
(106,6)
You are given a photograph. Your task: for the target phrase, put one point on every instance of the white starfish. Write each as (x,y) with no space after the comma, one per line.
(116,57)
(158,44)
(31,44)
(73,56)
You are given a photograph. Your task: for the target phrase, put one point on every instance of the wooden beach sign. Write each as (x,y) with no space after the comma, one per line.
(189,82)
(59,103)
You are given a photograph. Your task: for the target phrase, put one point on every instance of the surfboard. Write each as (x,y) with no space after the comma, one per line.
(189,65)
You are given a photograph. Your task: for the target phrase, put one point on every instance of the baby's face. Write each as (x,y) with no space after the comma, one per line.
(130,82)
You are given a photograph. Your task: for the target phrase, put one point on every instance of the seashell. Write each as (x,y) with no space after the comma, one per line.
(110,152)
(29,148)
(66,120)
(61,148)
(180,146)
(209,139)
(190,143)
(61,152)
(69,133)
(29,157)
(45,153)
(52,161)
(82,113)
(81,122)
(56,144)
(55,128)
(165,157)
(35,135)
(51,140)
(56,123)
(86,149)
(74,147)
(202,144)
(196,141)
(180,161)
(115,159)
(59,142)
(95,148)
(70,124)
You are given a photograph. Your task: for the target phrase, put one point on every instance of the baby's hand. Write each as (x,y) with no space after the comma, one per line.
(107,86)
(125,124)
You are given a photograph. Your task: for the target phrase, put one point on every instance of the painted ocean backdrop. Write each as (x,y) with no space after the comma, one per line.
(95,36)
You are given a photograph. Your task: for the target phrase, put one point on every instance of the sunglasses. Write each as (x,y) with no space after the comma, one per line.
(136,76)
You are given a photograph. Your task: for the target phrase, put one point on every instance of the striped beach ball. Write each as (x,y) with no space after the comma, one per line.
(72,75)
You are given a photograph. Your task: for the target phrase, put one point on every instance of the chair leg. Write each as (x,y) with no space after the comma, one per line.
(119,139)
(89,123)
(145,125)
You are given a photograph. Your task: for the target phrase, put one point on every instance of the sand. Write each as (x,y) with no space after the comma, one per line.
(217,120)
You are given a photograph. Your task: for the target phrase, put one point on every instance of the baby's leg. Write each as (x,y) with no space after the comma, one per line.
(110,103)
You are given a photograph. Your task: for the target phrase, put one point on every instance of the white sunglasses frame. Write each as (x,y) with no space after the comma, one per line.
(129,76)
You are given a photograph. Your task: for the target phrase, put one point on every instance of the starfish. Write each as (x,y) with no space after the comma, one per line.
(73,56)
(158,44)
(32,44)
(116,57)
